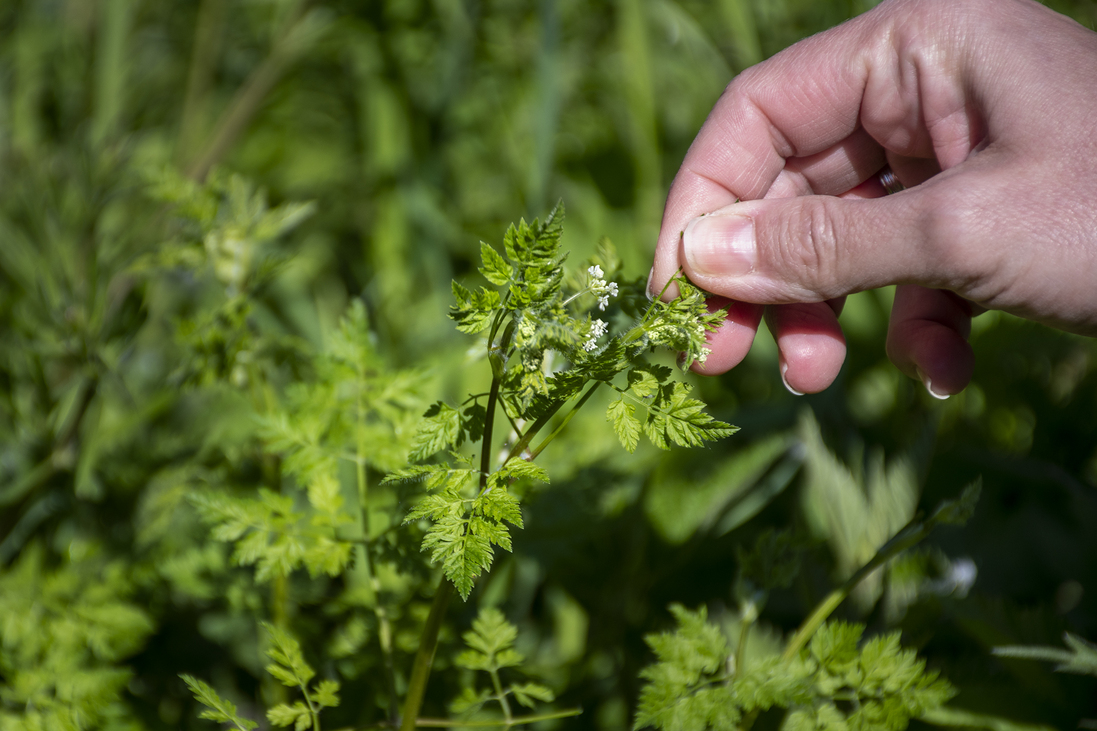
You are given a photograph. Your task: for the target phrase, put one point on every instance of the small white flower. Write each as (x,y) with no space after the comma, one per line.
(603,301)
(595,272)
(597,329)
(612,287)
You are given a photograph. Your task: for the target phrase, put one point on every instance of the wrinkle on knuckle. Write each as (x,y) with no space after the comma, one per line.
(816,255)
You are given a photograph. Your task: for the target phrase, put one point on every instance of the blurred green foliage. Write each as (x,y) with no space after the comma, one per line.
(147,363)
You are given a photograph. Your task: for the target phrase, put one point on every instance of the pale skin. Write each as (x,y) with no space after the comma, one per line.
(986,110)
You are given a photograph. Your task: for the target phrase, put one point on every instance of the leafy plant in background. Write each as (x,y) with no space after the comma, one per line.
(825,676)
(289,667)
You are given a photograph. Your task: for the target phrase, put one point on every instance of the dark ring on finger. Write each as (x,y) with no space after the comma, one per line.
(889,181)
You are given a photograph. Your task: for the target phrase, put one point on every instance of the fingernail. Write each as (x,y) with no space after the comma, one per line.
(929,386)
(784,370)
(720,245)
(647,289)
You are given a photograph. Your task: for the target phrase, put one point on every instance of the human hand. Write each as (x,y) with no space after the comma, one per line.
(985,109)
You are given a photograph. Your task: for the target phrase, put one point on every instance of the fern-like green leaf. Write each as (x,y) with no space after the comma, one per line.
(297,715)
(288,664)
(625,424)
(528,694)
(496,269)
(217,708)
(474,309)
(439,429)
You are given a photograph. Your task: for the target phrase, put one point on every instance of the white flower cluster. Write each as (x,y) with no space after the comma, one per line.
(600,288)
(597,330)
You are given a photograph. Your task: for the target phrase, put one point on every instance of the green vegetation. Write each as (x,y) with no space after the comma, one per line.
(246,459)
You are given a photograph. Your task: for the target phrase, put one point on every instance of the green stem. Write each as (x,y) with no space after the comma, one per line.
(911,535)
(578,405)
(424,658)
(314,712)
(489,423)
(501,696)
(517,721)
(250,96)
(523,442)
(741,650)
(207,34)
(428,642)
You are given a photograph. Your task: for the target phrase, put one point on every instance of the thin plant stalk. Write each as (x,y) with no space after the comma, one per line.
(249,98)
(428,642)
(501,696)
(578,405)
(424,658)
(516,721)
(913,533)
(741,651)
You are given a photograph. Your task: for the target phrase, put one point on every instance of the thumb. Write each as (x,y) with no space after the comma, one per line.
(812,248)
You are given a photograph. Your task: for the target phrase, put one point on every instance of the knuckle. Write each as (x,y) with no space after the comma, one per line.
(808,246)
(820,253)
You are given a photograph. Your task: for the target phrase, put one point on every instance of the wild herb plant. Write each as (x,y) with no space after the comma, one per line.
(491,650)
(826,677)
(290,668)
(548,354)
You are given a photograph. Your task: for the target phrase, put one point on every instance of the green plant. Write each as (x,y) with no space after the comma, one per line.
(825,677)
(547,359)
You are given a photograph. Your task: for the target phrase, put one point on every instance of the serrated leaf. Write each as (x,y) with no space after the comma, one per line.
(625,424)
(289,666)
(326,693)
(470,701)
(498,505)
(491,632)
(527,694)
(496,269)
(414,473)
(674,417)
(286,715)
(774,681)
(645,382)
(474,309)
(439,429)
(218,709)
(325,494)
(517,468)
